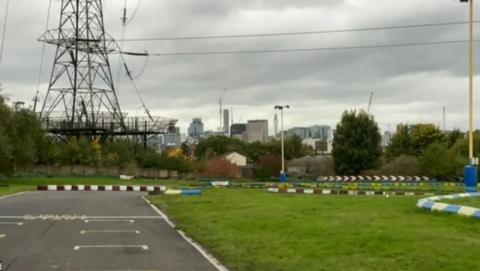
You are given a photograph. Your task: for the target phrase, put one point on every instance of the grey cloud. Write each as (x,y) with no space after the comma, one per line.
(410,83)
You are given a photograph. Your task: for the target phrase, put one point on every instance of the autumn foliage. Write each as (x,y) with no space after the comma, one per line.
(221,168)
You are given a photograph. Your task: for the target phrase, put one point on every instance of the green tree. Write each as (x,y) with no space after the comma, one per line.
(119,152)
(25,134)
(6,148)
(401,143)
(6,154)
(453,137)
(403,165)
(356,146)
(423,135)
(413,140)
(218,145)
(439,161)
(72,153)
(49,151)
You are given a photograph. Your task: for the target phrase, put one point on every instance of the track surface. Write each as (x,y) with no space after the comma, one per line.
(95,231)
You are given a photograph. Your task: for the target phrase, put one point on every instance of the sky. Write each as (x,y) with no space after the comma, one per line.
(411,84)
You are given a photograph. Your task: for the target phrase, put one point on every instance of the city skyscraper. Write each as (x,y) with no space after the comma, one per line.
(257,130)
(196,128)
(275,125)
(226,121)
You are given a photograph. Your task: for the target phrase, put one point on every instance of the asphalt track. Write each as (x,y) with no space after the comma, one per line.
(90,231)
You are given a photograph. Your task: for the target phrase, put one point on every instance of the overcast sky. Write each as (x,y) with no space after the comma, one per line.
(411,84)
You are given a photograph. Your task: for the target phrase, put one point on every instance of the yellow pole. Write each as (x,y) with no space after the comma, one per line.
(470,91)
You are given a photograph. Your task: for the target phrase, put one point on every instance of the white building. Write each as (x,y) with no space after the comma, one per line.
(237,159)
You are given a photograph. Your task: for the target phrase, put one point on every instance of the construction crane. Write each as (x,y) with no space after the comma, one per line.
(370,102)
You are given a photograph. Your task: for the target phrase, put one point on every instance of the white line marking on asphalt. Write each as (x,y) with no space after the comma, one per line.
(12,223)
(77,217)
(110,231)
(123,217)
(110,220)
(208,256)
(143,247)
(117,270)
(2,236)
(17,194)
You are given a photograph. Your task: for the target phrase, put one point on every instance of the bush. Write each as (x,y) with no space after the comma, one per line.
(439,161)
(221,168)
(403,165)
(268,166)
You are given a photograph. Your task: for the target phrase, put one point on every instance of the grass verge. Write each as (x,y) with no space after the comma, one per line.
(254,230)
(471,202)
(7,190)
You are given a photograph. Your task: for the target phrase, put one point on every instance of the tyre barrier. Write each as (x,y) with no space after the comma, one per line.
(114,188)
(184,192)
(432,204)
(318,191)
(122,188)
(373,178)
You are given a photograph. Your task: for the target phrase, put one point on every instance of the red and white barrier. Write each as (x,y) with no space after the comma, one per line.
(113,188)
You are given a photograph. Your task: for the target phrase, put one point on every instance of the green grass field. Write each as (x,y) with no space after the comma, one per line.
(471,202)
(15,189)
(254,230)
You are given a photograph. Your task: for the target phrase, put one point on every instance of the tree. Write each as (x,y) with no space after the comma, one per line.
(268,166)
(356,145)
(119,153)
(49,152)
(221,168)
(6,154)
(413,140)
(453,137)
(25,135)
(439,161)
(424,135)
(72,153)
(218,145)
(403,165)
(401,143)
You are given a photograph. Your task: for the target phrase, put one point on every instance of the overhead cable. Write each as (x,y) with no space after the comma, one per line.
(42,56)
(299,50)
(316,32)
(4,30)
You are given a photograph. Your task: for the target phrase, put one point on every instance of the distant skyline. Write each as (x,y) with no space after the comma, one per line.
(411,84)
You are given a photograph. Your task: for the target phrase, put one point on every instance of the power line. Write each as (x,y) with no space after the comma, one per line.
(394,27)
(4,31)
(298,50)
(42,56)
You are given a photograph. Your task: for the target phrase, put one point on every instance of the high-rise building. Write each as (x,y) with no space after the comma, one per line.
(320,132)
(239,131)
(226,121)
(196,128)
(257,130)
(172,138)
(275,125)
(301,132)
(387,138)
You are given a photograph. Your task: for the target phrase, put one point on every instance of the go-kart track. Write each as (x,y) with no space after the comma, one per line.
(92,231)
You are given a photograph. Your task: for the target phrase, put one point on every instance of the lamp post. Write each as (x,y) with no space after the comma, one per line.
(283,176)
(471,171)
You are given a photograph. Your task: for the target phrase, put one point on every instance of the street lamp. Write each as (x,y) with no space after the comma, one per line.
(471,171)
(283,176)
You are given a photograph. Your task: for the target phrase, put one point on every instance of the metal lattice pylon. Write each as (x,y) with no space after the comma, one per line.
(81,96)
